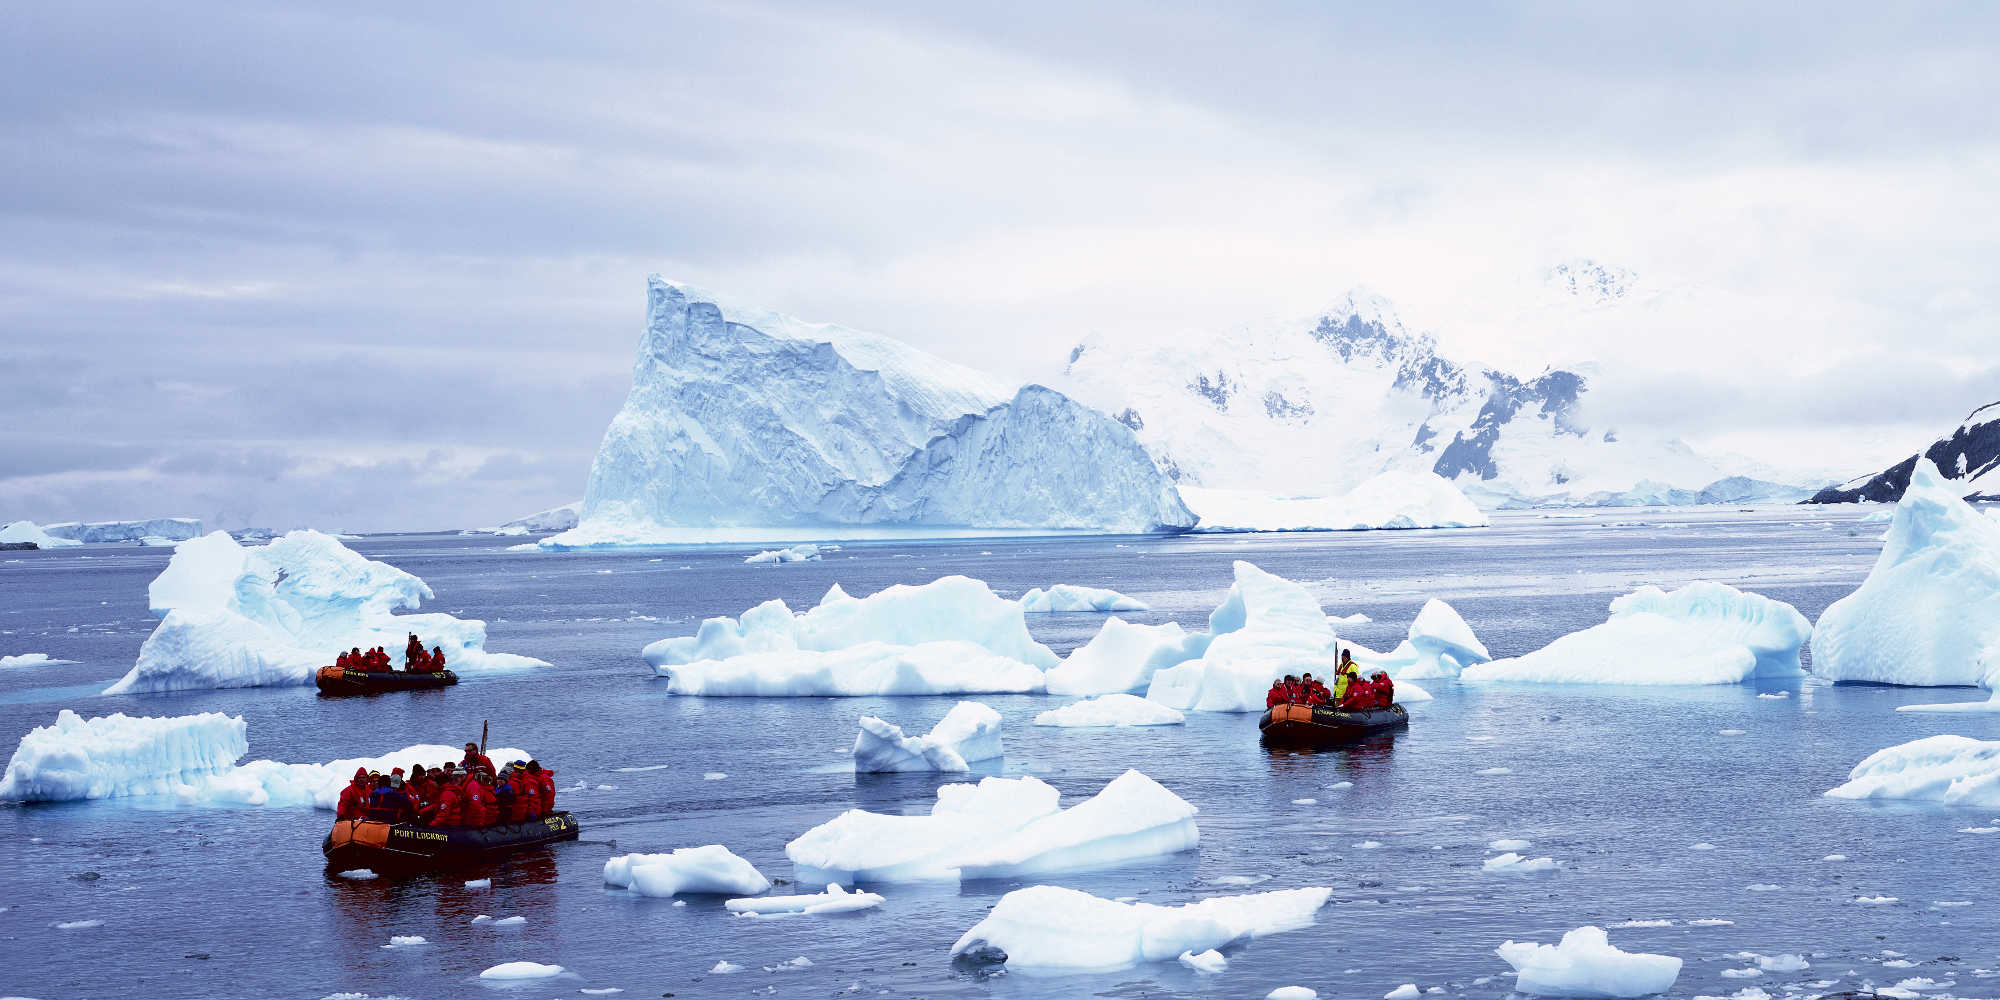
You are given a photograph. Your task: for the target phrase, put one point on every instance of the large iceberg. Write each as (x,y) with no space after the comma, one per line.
(174,529)
(1390,500)
(950,636)
(1952,770)
(1000,828)
(1265,628)
(1586,964)
(1440,644)
(1703,633)
(968,733)
(1123,657)
(20,533)
(711,870)
(249,617)
(1052,928)
(560,518)
(1929,612)
(743,422)
(191,758)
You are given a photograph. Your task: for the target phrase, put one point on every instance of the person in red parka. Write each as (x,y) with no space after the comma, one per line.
(473,758)
(545,784)
(449,810)
(1276,696)
(354,798)
(437,658)
(478,807)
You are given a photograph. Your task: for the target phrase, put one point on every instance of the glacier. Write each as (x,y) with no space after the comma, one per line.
(743,423)
(1702,633)
(951,636)
(1052,928)
(1929,611)
(1388,500)
(967,734)
(174,529)
(236,616)
(1587,964)
(1000,828)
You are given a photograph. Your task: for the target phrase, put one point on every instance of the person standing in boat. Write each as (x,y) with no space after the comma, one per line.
(474,759)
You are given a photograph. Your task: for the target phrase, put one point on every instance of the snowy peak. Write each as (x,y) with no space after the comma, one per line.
(1590,282)
(1969,457)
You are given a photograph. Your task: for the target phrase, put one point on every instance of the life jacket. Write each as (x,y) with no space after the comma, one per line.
(388,805)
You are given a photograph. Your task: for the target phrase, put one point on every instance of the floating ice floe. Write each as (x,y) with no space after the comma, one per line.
(1123,657)
(521,970)
(405,941)
(1265,628)
(17,532)
(1070,597)
(1440,644)
(1051,928)
(1953,770)
(724,967)
(700,870)
(1929,611)
(1111,710)
(999,828)
(1703,633)
(969,732)
(1511,863)
(1586,964)
(30,660)
(1392,499)
(1210,961)
(251,617)
(950,636)
(1292,993)
(833,900)
(807,552)
(1407,991)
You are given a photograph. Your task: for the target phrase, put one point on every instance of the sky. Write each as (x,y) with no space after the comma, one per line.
(373,266)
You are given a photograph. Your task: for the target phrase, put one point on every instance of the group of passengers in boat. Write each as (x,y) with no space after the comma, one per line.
(416,659)
(469,792)
(1351,692)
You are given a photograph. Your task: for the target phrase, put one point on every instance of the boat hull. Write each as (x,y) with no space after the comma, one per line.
(1302,726)
(407,847)
(334,681)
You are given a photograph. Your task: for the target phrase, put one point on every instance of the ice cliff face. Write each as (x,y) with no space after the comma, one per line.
(1360,394)
(741,419)
(1969,455)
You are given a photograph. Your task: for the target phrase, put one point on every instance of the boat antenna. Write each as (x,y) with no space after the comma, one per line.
(483,723)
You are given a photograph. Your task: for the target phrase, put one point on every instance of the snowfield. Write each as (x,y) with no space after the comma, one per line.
(1703,633)
(233,616)
(970,732)
(1387,501)
(1929,611)
(1051,928)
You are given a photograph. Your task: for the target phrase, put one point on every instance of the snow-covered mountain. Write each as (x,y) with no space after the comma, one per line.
(1969,455)
(743,422)
(1317,405)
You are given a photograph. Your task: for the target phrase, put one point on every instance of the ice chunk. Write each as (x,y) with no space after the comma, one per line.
(1123,657)
(833,900)
(710,869)
(1440,643)
(30,660)
(1509,845)
(1407,991)
(969,732)
(166,530)
(832,427)
(1265,628)
(1586,964)
(28,532)
(1001,827)
(249,617)
(480,883)
(1119,710)
(513,921)
(1783,963)
(806,552)
(357,874)
(521,970)
(84,925)
(1953,770)
(953,635)
(1069,597)
(1210,961)
(1514,863)
(1703,633)
(1393,499)
(1875,900)
(1929,611)
(724,967)
(405,941)
(1048,927)
(1292,993)
(119,755)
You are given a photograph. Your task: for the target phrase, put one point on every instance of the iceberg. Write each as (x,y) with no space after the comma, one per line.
(1122,657)
(1265,628)
(1119,710)
(1051,928)
(560,518)
(519,971)
(950,636)
(20,533)
(1390,500)
(30,660)
(1440,644)
(745,423)
(1703,633)
(807,552)
(167,529)
(1929,611)
(1000,828)
(1586,964)
(250,617)
(707,870)
(1950,770)
(969,732)
(833,900)
(1069,597)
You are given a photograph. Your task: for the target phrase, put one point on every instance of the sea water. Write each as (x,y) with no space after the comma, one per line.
(1621,785)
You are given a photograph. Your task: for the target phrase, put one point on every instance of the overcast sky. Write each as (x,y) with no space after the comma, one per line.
(377,266)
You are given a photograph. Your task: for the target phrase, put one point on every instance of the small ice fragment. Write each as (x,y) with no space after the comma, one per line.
(1338,785)
(480,883)
(1407,991)
(1305,802)
(1763,887)
(1703,846)
(713,776)
(1586,964)
(1240,879)
(404,941)
(1494,770)
(1742,973)
(1952,902)
(1208,961)
(1834,857)
(1731,732)
(1292,993)
(1874,900)
(77,925)
(800,962)
(1368,845)
(514,921)
(1980,829)
(1899,963)
(604,991)
(1511,862)
(521,970)
(1783,963)
(1509,845)
(725,967)
(358,874)
(680,902)
(1641,923)
(1780,694)
(607,788)
(482,919)
(648,767)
